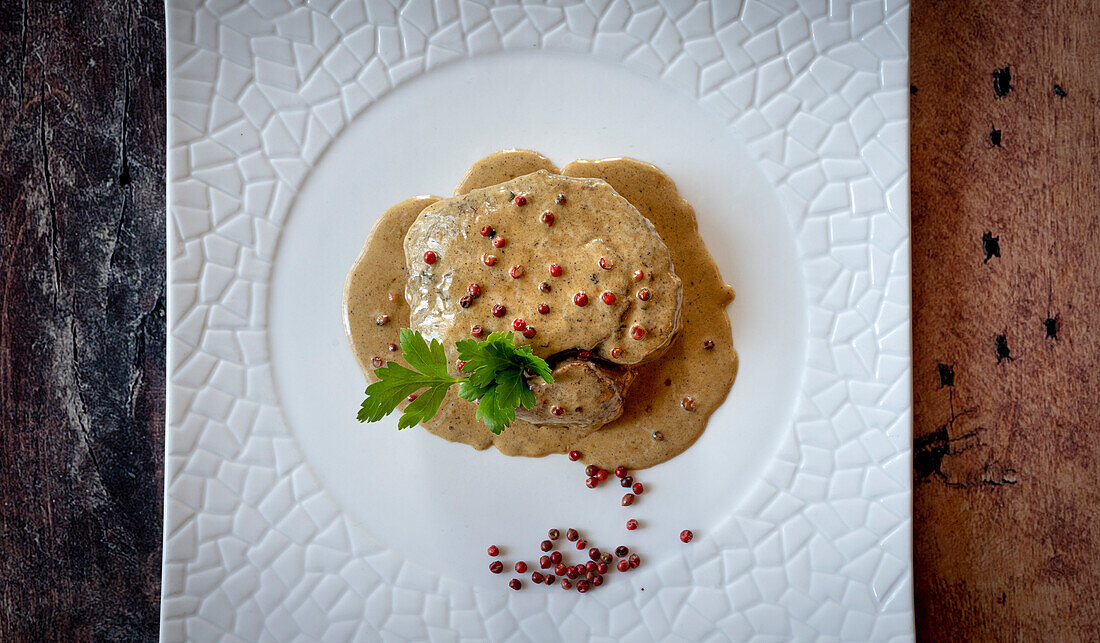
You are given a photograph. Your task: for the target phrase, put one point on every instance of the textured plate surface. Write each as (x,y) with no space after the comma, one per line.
(281,113)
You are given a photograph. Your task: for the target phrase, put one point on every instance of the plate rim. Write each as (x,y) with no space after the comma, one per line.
(187,75)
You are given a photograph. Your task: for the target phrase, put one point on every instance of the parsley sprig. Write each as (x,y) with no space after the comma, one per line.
(496,378)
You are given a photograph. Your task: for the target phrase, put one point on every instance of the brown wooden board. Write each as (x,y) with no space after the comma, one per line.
(82,244)
(1006,312)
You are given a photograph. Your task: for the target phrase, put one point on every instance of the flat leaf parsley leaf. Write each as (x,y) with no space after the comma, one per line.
(396,383)
(496,379)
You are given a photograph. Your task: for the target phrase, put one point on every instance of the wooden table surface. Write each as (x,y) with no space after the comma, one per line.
(1006,282)
(1006,309)
(82,245)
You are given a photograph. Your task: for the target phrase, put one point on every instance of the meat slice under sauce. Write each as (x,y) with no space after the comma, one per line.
(654,425)
(566,259)
(502,166)
(584,393)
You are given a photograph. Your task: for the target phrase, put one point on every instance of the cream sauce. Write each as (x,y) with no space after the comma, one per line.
(688,375)
(495,239)
(503,166)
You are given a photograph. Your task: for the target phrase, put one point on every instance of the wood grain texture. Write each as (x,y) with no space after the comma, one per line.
(81,318)
(1005,236)
(1006,307)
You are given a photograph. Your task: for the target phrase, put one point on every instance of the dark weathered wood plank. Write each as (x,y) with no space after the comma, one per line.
(81,318)
(1006,307)
(1005,231)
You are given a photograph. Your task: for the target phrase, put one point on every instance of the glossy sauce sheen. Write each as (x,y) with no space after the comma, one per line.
(597,240)
(655,401)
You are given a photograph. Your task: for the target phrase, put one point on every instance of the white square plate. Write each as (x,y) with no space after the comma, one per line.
(293,125)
